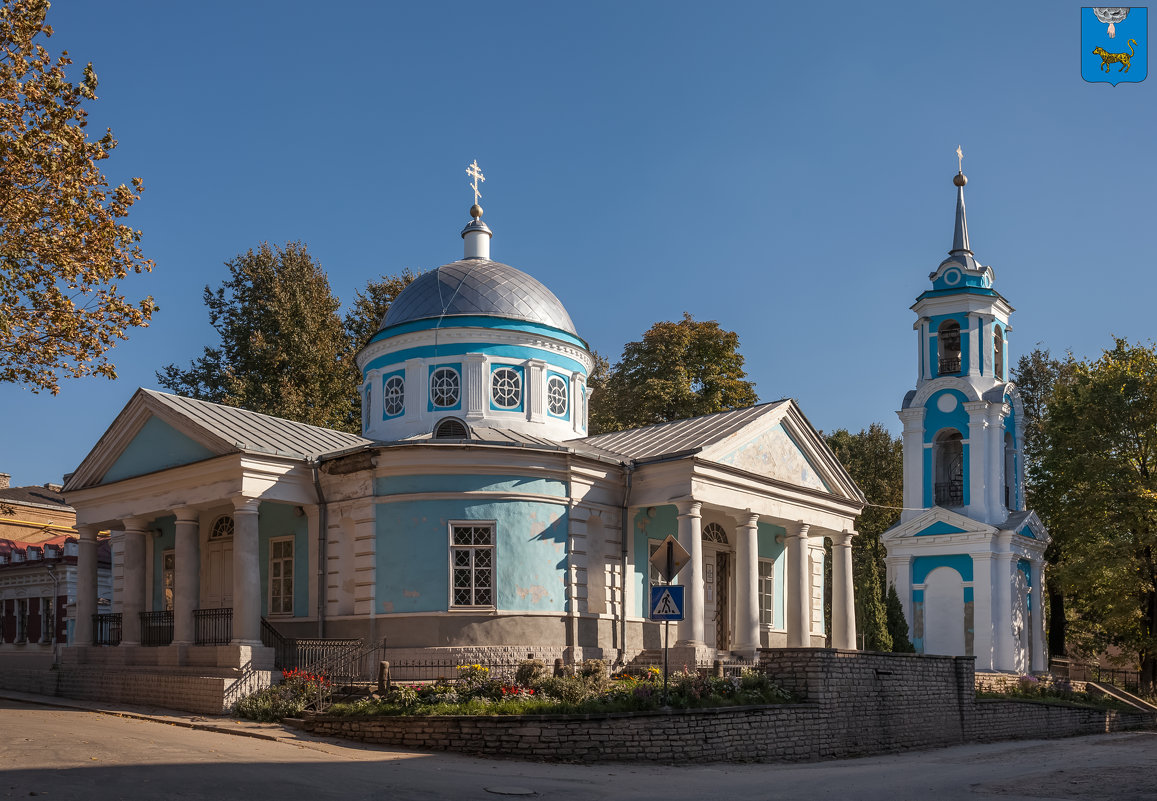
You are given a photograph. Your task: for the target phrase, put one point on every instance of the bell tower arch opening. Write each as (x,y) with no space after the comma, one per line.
(948,464)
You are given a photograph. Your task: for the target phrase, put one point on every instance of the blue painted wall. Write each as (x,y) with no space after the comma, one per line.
(935,420)
(939,527)
(923,565)
(460,349)
(407,485)
(665,522)
(413,553)
(276,520)
(770,549)
(161,543)
(157,446)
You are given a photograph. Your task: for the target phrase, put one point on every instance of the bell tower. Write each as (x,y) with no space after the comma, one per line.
(962,423)
(967,558)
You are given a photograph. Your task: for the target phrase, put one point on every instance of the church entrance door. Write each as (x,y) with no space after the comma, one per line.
(219,557)
(717,598)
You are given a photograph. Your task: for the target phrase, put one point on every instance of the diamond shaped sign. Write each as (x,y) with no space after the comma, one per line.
(669,558)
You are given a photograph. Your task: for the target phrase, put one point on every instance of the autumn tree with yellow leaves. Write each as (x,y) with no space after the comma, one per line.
(64,245)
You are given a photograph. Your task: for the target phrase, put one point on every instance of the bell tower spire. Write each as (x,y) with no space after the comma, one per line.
(960,235)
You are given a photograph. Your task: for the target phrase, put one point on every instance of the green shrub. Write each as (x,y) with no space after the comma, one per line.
(288,699)
(528,672)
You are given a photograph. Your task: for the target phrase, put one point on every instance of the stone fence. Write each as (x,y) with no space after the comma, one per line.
(852,704)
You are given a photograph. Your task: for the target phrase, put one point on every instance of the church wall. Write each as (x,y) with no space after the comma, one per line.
(277,520)
(413,546)
(650,526)
(165,541)
(770,549)
(157,446)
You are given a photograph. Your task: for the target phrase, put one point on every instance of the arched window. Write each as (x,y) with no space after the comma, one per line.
(222,527)
(451,428)
(948,339)
(998,352)
(713,532)
(444,387)
(1009,473)
(948,460)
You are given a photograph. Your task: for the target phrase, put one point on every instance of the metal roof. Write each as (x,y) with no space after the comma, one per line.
(485,435)
(678,436)
(258,433)
(478,287)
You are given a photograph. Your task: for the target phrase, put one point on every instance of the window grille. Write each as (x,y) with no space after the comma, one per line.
(394,396)
(222,527)
(713,532)
(506,388)
(766,592)
(556,396)
(444,387)
(472,565)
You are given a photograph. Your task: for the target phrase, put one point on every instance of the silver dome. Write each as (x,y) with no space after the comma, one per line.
(478,287)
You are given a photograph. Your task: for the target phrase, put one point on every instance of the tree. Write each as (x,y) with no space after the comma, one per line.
(679,370)
(1098,484)
(1036,375)
(63,245)
(283,350)
(897,625)
(875,460)
(365,317)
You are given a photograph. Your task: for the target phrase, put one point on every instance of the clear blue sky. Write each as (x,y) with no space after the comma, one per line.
(782,168)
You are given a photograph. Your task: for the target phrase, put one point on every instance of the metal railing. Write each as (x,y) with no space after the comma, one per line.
(213,626)
(106,629)
(1127,680)
(950,493)
(305,653)
(949,365)
(157,628)
(342,670)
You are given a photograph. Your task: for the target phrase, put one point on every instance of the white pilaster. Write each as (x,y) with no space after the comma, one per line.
(246,573)
(926,349)
(747,583)
(187,574)
(133,602)
(534,391)
(1039,651)
(86,593)
(690,537)
(983,630)
(995,495)
(973,345)
(843,594)
(913,437)
(977,459)
(475,386)
(798,610)
(1002,578)
(417,389)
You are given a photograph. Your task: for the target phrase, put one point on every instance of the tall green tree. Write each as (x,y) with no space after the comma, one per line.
(678,370)
(364,317)
(874,458)
(64,246)
(1036,375)
(1098,484)
(283,349)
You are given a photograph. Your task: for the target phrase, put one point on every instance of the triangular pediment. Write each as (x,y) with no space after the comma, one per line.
(784,446)
(145,437)
(937,521)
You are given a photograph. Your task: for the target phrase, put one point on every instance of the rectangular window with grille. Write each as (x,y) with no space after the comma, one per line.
(281,576)
(471,564)
(766,592)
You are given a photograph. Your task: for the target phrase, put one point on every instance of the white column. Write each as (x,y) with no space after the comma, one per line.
(974,479)
(747,583)
(246,573)
(798,589)
(85,584)
(133,602)
(913,420)
(187,575)
(690,537)
(416,391)
(1039,649)
(534,392)
(1002,577)
(843,595)
(927,348)
(974,340)
(983,641)
(996,507)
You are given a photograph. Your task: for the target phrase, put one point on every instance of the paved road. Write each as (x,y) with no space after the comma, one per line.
(62,754)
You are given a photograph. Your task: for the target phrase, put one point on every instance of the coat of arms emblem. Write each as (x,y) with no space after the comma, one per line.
(1114,45)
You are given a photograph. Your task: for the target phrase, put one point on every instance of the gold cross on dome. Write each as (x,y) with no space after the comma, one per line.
(960,158)
(476,174)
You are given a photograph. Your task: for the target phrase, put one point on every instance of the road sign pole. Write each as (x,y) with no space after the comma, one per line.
(666,643)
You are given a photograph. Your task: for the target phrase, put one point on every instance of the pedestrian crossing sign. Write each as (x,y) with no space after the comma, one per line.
(667,602)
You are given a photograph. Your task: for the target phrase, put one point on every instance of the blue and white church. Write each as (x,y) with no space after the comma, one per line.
(967,558)
(473,518)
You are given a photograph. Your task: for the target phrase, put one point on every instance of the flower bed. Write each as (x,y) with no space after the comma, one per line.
(288,699)
(1053,691)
